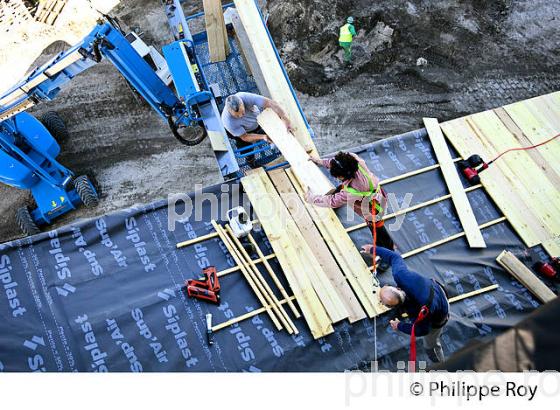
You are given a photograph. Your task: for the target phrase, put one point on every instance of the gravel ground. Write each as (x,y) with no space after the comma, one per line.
(479,55)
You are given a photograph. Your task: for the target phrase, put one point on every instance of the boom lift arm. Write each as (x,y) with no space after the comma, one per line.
(108,41)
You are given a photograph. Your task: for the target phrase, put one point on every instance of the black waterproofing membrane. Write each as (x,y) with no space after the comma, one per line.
(104,294)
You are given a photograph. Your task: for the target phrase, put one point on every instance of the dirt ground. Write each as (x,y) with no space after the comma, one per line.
(474,54)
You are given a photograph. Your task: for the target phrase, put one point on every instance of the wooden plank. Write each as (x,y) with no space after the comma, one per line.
(344,251)
(325,290)
(412,208)
(473,293)
(536,129)
(258,311)
(450,238)
(413,173)
(524,141)
(523,220)
(272,274)
(283,235)
(237,267)
(332,272)
(524,275)
(458,195)
(270,66)
(248,315)
(197,240)
(247,51)
(220,11)
(552,245)
(215,28)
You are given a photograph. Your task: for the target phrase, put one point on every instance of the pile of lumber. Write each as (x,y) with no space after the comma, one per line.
(330,280)
(49,10)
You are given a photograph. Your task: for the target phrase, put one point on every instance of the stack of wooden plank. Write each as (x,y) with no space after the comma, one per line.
(524,184)
(326,272)
(218,43)
(49,10)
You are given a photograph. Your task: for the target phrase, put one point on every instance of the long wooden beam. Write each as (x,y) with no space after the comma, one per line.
(458,195)
(273,74)
(218,45)
(413,173)
(258,311)
(473,293)
(448,239)
(249,315)
(412,208)
(273,275)
(304,174)
(268,257)
(247,51)
(451,238)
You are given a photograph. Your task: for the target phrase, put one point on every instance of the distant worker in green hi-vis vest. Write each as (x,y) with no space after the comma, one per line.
(347,33)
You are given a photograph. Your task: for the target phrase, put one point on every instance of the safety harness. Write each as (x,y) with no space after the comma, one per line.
(422,315)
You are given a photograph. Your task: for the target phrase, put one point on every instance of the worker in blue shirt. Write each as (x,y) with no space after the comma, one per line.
(347,33)
(414,291)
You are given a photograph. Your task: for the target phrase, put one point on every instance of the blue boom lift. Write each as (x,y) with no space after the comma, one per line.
(28,148)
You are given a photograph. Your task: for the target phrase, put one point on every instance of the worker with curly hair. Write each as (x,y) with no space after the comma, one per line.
(360,188)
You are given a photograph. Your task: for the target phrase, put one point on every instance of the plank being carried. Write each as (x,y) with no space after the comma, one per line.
(290,248)
(273,74)
(305,174)
(458,195)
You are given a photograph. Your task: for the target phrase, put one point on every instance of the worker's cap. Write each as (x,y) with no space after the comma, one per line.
(350,20)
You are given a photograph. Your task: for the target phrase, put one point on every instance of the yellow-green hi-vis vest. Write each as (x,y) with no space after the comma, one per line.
(345,34)
(372,194)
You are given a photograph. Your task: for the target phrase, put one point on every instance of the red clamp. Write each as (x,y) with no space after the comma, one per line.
(206,288)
